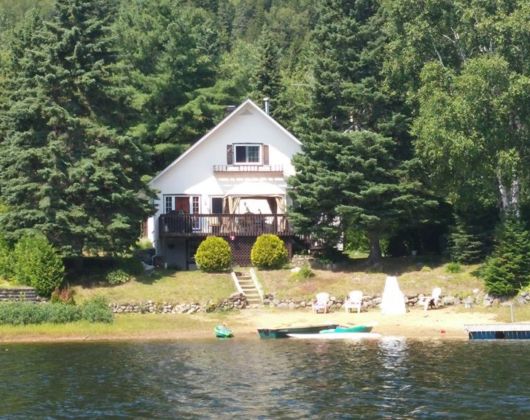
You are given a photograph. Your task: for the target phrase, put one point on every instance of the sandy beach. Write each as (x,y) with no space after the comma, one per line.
(416,324)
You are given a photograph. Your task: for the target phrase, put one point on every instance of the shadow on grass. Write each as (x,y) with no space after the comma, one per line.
(96,278)
(392,266)
(155,276)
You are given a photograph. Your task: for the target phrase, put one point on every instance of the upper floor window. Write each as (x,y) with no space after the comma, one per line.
(247,153)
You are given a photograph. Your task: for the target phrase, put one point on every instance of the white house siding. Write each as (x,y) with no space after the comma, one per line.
(193,174)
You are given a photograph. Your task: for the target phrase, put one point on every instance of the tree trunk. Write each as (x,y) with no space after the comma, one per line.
(375,248)
(509,196)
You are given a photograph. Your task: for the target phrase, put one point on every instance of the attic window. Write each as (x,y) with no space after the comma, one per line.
(247,153)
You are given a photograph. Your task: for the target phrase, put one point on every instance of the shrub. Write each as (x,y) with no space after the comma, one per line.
(115,277)
(38,264)
(304,273)
(214,254)
(453,267)
(23,313)
(6,263)
(508,269)
(268,252)
(97,310)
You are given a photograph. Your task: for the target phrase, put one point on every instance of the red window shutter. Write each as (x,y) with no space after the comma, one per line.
(229,154)
(265,154)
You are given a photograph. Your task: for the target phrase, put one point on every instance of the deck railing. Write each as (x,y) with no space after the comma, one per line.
(174,224)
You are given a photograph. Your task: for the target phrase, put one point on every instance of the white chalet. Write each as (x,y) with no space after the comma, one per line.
(231,183)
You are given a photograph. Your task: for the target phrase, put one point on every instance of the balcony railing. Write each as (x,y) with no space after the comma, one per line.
(174,224)
(247,168)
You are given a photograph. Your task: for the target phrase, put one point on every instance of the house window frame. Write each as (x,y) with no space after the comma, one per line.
(260,153)
(169,202)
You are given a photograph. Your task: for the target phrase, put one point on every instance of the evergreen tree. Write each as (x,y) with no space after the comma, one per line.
(508,269)
(267,81)
(172,51)
(351,180)
(67,166)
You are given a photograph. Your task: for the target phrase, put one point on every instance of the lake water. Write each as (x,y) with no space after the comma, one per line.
(392,378)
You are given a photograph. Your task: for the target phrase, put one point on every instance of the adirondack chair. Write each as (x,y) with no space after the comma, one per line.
(321,303)
(354,301)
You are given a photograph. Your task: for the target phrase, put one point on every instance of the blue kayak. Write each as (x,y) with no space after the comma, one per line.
(352,329)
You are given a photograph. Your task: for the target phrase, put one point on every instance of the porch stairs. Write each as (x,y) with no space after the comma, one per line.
(248,284)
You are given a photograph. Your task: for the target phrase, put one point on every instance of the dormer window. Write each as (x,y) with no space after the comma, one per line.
(247,154)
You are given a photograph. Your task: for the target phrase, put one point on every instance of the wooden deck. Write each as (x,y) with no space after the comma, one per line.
(228,225)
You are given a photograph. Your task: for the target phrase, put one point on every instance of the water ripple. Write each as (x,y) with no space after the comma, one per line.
(393,378)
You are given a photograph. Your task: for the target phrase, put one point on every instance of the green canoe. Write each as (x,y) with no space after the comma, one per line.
(222,332)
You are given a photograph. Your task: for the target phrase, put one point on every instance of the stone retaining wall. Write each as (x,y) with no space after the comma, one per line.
(412,301)
(238,301)
(25,294)
(235,302)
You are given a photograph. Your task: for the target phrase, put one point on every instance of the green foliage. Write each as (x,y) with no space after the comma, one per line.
(24,313)
(268,252)
(214,255)
(467,246)
(466,120)
(37,264)
(115,277)
(68,167)
(353,177)
(453,267)
(507,270)
(304,273)
(6,260)
(97,310)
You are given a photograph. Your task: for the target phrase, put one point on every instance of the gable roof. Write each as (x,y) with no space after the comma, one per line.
(237,111)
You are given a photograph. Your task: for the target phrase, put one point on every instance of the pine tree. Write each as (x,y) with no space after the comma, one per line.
(508,269)
(68,167)
(172,50)
(351,180)
(267,81)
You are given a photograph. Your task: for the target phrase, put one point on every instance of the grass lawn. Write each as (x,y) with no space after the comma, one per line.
(414,277)
(124,325)
(164,286)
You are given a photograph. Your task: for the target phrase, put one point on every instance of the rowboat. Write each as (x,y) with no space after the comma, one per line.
(283,332)
(221,331)
(513,331)
(337,336)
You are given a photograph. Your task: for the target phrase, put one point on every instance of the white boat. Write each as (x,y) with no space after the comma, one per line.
(338,336)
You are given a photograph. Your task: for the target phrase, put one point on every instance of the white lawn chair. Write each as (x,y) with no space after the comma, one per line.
(354,301)
(322,302)
(434,300)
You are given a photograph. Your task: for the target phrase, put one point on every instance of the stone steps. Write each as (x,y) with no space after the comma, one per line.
(247,285)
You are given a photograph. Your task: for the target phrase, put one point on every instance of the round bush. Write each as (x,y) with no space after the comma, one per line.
(38,264)
(214,254)
(268,252)
(119,276)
